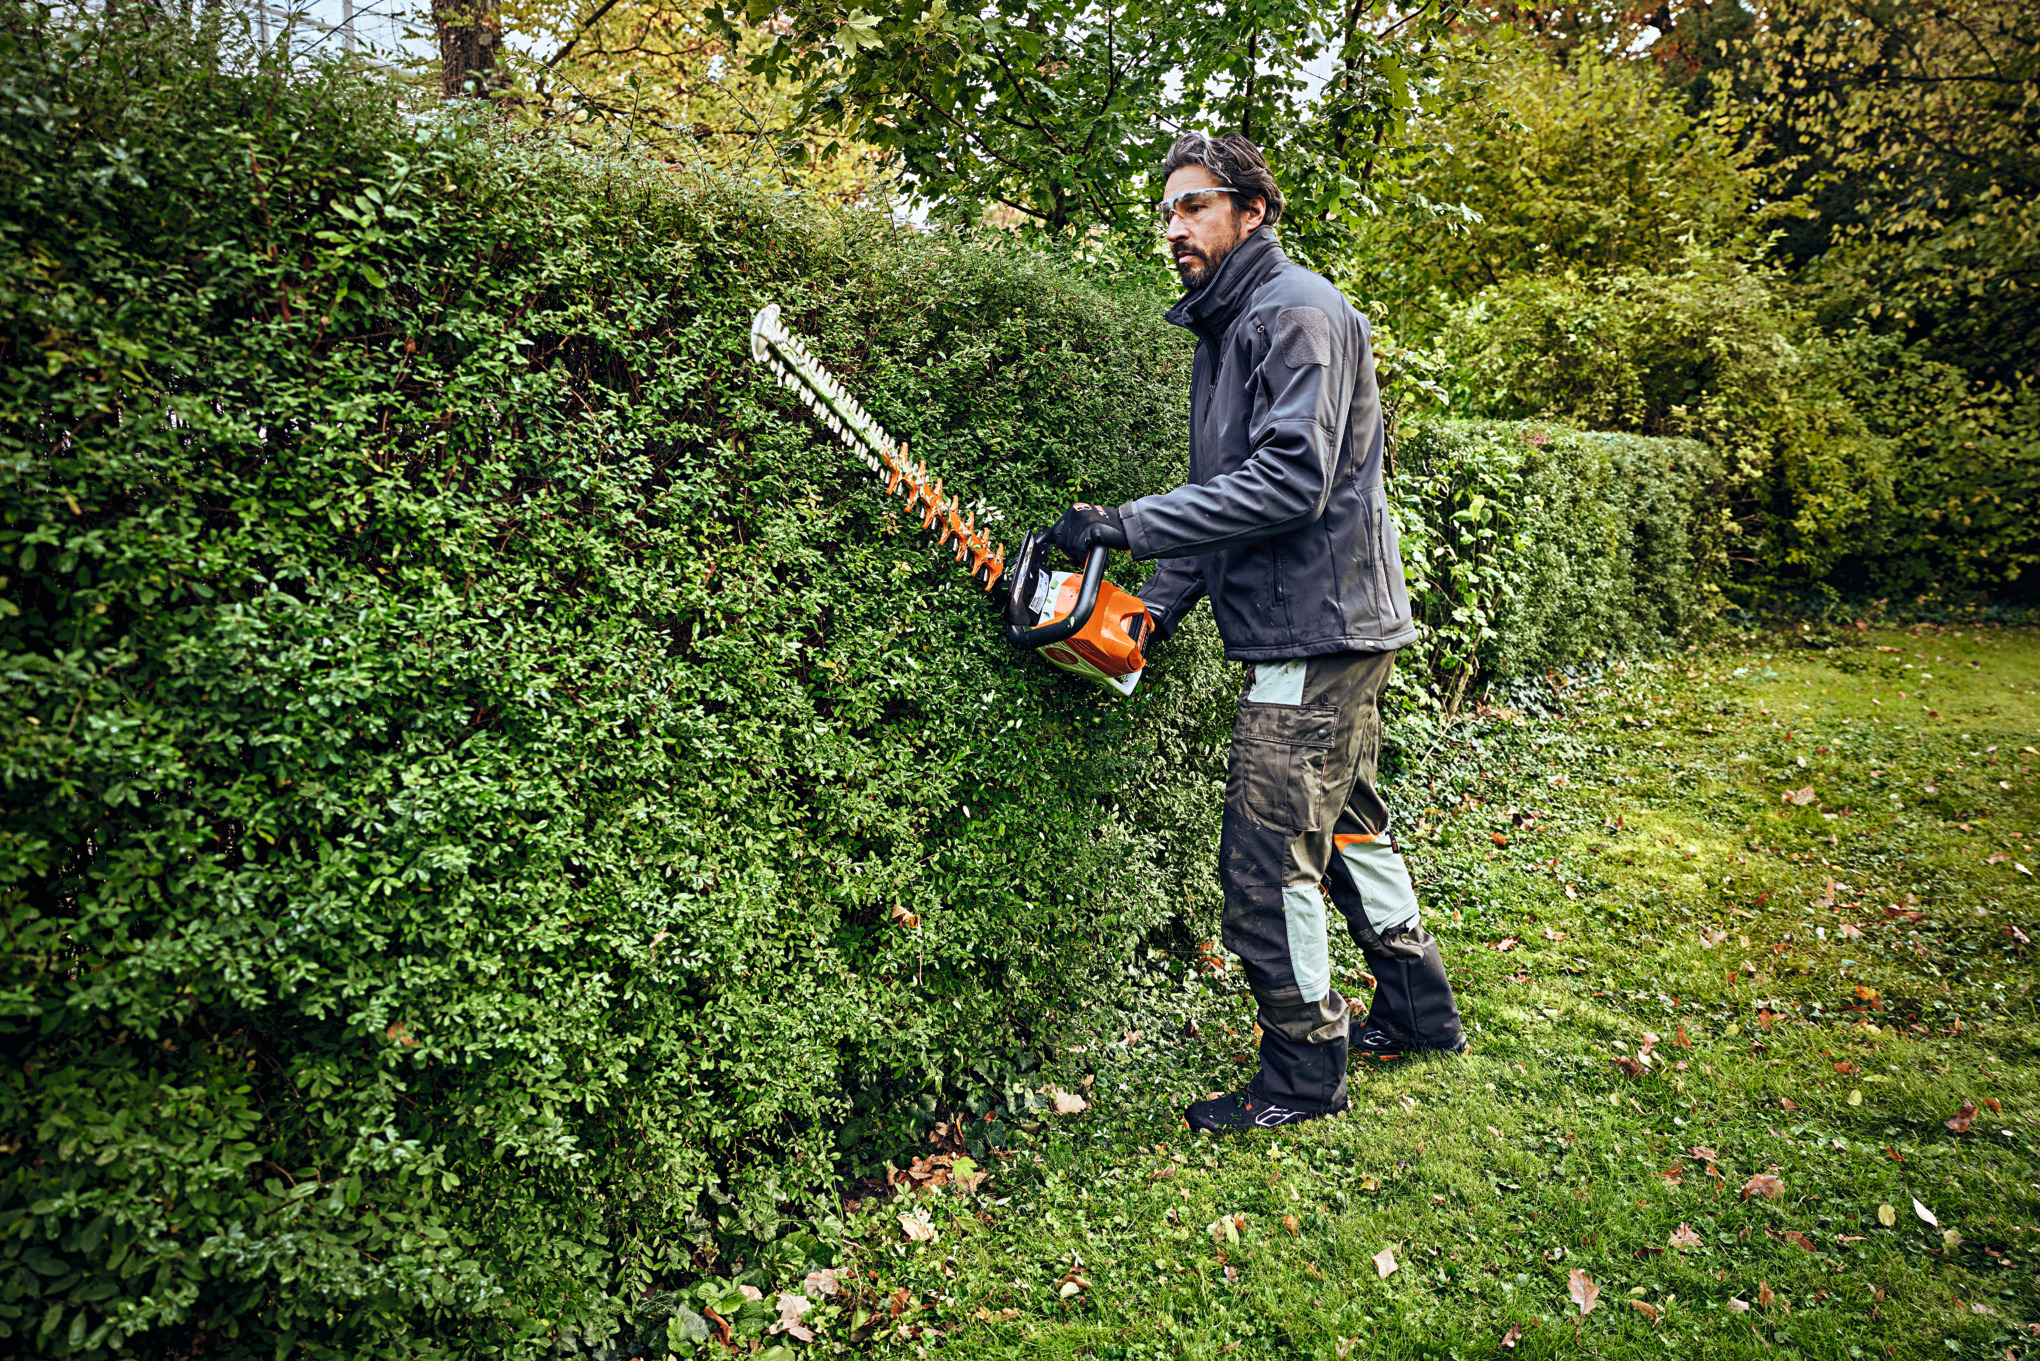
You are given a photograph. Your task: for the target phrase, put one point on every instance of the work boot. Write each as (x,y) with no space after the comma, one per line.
(1373,1042)
(1239,1110)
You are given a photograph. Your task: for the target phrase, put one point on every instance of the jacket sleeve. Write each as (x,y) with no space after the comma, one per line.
(1299,394)
(1176,585)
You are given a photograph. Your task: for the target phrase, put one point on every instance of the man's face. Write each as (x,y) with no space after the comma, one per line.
(1205,229)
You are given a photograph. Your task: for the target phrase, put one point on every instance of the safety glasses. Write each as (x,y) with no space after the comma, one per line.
(1192,202)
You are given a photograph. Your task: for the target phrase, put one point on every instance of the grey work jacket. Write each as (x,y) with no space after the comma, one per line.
(1283,522)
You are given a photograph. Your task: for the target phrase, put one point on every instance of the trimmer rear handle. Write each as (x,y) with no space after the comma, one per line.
(1029,566)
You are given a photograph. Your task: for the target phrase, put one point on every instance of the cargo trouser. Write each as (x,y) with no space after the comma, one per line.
(1302,811)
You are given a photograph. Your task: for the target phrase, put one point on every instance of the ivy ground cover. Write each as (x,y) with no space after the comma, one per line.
(1753,1069)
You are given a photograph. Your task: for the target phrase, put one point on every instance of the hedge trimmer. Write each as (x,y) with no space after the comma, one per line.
(1085,625)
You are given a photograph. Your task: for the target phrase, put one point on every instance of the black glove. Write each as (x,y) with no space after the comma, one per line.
(1083,527)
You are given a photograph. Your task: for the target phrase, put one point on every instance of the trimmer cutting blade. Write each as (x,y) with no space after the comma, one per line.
(1084,625)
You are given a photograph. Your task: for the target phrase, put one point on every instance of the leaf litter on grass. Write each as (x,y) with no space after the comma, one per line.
(1583,1179)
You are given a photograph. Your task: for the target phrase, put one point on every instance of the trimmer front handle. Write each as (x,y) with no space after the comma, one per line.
(1027,569)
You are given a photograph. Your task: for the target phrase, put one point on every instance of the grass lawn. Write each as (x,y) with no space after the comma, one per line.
(1802,865)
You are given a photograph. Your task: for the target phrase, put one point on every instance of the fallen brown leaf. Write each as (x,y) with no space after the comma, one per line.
(1684,1237)
(791,1307)
(1964,1118)
(1384,1263)
(1289,1223)
(1736,1306)
(1513,1336)
(1763,1184)
(1583,1291)
(1799,798)
(1069,1103)
(1764,1296)
(1649,1311)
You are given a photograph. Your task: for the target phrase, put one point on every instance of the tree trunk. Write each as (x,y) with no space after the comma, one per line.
(467,46)
(1247,104)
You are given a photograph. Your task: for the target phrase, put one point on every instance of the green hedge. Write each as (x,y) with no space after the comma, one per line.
(474,750)
(1849,463)
(469,737)
(1531,546)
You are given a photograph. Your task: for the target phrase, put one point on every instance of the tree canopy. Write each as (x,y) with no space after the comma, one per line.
(1061,111)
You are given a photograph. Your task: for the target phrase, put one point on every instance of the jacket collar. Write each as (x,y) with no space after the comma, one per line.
(1209,310)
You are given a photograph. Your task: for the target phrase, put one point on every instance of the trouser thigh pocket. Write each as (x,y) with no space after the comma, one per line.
(1276,774)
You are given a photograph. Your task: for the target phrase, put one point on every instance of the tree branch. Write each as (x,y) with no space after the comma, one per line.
(585,25)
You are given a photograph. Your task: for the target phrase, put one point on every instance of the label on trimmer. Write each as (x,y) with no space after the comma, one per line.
(1044,584)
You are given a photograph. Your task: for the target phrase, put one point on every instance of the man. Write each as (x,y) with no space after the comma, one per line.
(1284,524)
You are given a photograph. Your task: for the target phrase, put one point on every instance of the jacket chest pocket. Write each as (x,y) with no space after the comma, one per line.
(1276,773)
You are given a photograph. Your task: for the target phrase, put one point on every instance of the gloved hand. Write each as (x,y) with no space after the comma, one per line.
(1084,526)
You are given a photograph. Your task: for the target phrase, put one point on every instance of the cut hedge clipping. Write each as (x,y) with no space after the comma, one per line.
(473,748)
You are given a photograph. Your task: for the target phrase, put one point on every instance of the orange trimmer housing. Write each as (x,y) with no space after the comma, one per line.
(1083,624)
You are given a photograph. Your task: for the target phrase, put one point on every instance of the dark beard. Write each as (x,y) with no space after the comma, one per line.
(1194,267)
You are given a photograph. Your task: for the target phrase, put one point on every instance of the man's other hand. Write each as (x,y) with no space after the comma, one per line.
(1083,527)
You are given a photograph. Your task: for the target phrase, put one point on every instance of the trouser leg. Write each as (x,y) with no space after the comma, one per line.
(1370,885)
(1278,932)
(1273,843)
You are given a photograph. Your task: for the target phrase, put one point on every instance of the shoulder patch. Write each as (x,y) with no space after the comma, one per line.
(1304,335)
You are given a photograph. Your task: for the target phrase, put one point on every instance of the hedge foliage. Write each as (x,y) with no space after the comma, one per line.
(1530,545)
(498,812)
(1851,461)
(470,739)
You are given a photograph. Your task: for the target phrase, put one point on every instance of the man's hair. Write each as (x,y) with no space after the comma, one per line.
(1234,162)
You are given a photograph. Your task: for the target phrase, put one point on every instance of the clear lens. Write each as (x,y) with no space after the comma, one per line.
(1192,201)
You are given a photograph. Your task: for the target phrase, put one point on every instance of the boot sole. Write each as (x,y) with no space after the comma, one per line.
(1461,1051)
